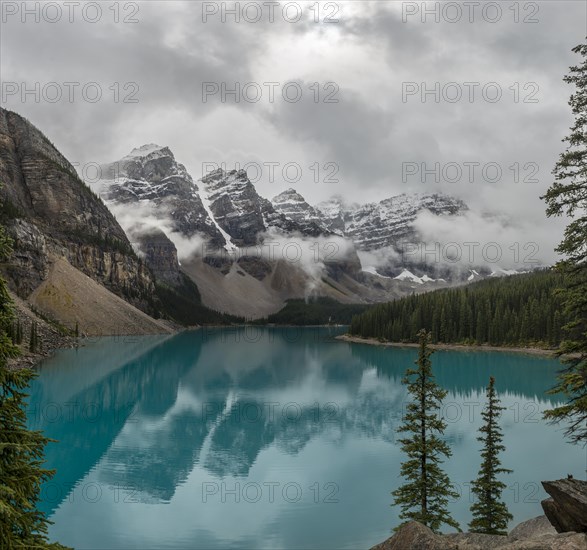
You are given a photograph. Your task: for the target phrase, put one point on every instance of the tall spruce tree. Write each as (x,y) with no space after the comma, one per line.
(33,338)
(21,450)
(490,514)
(426,494)
(568,196)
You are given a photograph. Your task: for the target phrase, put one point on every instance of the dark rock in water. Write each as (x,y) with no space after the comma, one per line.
(534,527)
(567,509)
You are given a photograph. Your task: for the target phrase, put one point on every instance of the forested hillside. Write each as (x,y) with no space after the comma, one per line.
(319,311)
(517,310)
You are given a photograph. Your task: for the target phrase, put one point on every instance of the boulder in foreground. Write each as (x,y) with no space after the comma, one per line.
(534,534)
(567,507)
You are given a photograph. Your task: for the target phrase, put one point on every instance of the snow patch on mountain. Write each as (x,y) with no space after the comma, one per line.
(499,272)
(229,246)
(474,275)
(373,271)
(406,275)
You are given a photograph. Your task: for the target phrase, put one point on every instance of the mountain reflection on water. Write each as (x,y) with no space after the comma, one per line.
(171,423)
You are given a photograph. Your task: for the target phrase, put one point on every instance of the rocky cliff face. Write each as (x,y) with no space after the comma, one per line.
(294,207)
(246,216)
(150,175)
(49,211)
(235,205)
(223,208)
(160,256)
(45,187)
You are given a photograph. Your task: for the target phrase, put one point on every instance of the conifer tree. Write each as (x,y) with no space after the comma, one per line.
(490,514)
(425,496)
(21,461)
(568,196)
(21,450)
(512,311)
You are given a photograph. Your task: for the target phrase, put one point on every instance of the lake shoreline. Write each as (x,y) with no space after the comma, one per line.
(447,347)
(58,341)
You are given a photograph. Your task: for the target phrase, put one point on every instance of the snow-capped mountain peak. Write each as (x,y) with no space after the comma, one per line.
(148,149)
(382,224)
(150,175)
(293,206)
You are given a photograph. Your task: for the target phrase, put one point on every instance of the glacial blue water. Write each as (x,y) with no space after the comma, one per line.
(267,438)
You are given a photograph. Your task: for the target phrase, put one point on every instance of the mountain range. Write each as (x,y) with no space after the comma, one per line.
(249,254)
(148,246)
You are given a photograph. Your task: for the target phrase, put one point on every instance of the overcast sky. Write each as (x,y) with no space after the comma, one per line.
(374,61)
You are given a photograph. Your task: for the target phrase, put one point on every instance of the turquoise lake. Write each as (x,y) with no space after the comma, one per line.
(268,437)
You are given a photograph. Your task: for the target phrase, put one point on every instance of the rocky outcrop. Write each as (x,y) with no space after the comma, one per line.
(534,527)
(415,536)
(567,507)
(278,220)
(29,265)
(39,184)
(256,267)
(49,211)
(235,204)
(160,256)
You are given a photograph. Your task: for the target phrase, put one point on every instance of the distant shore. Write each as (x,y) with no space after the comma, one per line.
(452,347)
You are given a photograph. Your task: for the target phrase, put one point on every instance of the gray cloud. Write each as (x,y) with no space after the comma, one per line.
(370,133)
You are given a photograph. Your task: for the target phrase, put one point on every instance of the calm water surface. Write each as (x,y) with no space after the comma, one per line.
(267,438)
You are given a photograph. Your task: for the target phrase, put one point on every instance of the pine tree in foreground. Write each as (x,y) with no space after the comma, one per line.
(425,496)
(568,196)
(21,450)
(21,471)
(490,514)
